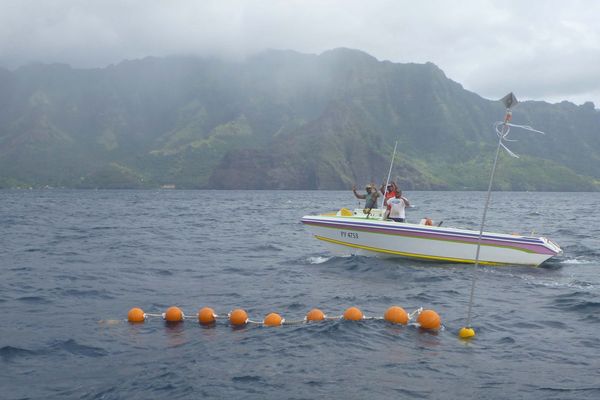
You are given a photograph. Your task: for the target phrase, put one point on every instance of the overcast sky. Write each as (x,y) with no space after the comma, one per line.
(542,50)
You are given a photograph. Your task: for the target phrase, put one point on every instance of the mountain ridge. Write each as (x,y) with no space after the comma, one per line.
(278,120)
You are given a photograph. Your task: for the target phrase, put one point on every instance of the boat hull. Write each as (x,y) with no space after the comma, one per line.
(353,235)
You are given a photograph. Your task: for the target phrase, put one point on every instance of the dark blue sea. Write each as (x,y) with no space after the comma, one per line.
(74,262)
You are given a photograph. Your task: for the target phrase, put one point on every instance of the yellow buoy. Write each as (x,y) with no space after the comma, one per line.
(396,315)
(273,319)
(206,316)
(429,319)
(353,314)
(173,314)
(315,315)
(466,333)
(238,317)
(136,315)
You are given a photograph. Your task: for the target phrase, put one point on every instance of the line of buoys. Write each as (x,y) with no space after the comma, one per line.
(426,319)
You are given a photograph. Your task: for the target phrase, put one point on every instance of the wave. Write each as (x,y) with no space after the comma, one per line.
(73,347)
(84,293)
(577,261)
(318,259)
(34,300)
(266,247)
(569,390)
(574,284)
(579,302)
(247,378)
(10,353)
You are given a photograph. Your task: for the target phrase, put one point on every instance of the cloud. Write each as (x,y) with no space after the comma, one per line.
(545,50)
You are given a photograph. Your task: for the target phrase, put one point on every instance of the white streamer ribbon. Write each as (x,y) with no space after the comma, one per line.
(503,128)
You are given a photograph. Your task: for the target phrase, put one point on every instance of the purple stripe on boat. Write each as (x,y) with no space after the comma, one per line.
(437,232)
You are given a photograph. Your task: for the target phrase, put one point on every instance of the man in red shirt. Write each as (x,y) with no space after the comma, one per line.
(390,193)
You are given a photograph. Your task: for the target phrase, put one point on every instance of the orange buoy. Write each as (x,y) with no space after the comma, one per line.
(396,315)
(429,319)
(206,316)
(353,314)
(136,315)
(273,319)
(238,317)
(315,315)
(173,314)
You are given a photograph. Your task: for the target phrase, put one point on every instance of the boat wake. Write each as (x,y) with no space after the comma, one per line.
(577,261)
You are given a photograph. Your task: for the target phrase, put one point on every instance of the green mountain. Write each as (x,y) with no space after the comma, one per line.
(278,120)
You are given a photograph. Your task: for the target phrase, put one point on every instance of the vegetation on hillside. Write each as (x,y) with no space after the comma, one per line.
(279,120)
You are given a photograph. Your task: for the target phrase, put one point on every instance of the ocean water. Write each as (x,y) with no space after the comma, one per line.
(74,262)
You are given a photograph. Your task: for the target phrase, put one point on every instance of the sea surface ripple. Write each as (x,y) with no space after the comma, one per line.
(74,262)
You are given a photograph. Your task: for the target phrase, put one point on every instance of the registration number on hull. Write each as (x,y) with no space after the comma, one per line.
(349,235)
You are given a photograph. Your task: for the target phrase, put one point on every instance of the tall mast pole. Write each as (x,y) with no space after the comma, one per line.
(387,182)
(509,100)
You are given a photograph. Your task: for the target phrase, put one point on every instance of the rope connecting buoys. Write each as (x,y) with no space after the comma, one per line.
(426,319)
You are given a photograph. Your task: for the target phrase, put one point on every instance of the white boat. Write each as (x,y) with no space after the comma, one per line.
(353,232)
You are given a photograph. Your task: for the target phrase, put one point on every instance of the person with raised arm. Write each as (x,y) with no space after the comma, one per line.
(370,197)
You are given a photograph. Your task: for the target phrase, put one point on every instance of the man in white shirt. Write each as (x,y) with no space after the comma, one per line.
(397,207)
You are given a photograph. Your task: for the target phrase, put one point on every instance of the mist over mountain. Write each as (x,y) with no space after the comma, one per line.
(278,120)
